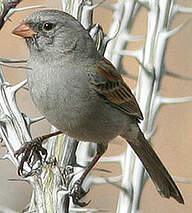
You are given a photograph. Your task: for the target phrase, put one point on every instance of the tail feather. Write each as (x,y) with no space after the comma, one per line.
(156,170)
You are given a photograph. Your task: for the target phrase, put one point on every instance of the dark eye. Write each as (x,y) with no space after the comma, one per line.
(48,26)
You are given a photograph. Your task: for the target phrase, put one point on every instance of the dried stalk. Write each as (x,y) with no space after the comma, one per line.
(151,71)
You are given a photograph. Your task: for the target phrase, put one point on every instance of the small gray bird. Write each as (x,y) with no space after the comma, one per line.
(82,94)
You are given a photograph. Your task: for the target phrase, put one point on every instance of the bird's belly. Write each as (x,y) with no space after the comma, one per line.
(76,110)
(81,119)
(87,124)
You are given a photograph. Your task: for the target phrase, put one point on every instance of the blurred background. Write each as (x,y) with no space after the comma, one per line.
(172,141)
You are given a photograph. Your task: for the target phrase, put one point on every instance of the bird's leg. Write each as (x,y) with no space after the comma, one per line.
(77,191)
(31,153)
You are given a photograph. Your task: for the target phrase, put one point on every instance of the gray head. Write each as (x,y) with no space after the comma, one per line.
(53,32)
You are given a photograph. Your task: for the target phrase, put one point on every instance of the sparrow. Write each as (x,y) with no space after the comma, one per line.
(82,94)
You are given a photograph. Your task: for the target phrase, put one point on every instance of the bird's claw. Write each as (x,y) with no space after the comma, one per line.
(31,153)
(77,193)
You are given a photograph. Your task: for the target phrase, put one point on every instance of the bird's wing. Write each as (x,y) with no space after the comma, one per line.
(110,85)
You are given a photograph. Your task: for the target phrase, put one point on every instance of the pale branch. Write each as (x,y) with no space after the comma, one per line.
(5,60)
(18,86)
(134,38)
(161,100)
(12,66)
(182,180)
(100,180)
(14,10)
(92,7)
(112,159)
(122,19)
(149,71)
(148,86)
(35,120)
(85,12)
(180,9)
(137,54)
(114,34)
(165,100)
(5,6)
(168,34)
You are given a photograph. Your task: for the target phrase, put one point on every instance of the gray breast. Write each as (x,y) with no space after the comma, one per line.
(66,99)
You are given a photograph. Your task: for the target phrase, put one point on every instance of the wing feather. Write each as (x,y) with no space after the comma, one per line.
(110,85)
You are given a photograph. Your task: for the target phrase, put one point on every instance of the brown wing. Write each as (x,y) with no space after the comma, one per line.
(111,86)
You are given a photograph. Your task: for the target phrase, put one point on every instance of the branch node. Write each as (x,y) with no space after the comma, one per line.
(18,86)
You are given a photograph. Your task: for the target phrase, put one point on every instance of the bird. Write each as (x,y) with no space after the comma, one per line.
(82,94)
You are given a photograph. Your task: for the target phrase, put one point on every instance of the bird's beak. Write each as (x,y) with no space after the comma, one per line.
(24,30)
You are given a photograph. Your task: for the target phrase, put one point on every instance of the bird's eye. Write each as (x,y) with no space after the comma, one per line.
(48,26)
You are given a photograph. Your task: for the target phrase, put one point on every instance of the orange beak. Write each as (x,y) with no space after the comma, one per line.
(24,31)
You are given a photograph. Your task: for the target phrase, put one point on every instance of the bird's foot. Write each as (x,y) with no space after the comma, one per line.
(32,153)
(77,192)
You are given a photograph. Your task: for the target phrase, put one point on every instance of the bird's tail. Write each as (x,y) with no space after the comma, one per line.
(156,170)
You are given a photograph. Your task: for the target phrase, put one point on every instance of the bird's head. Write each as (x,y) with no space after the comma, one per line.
(54,32)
